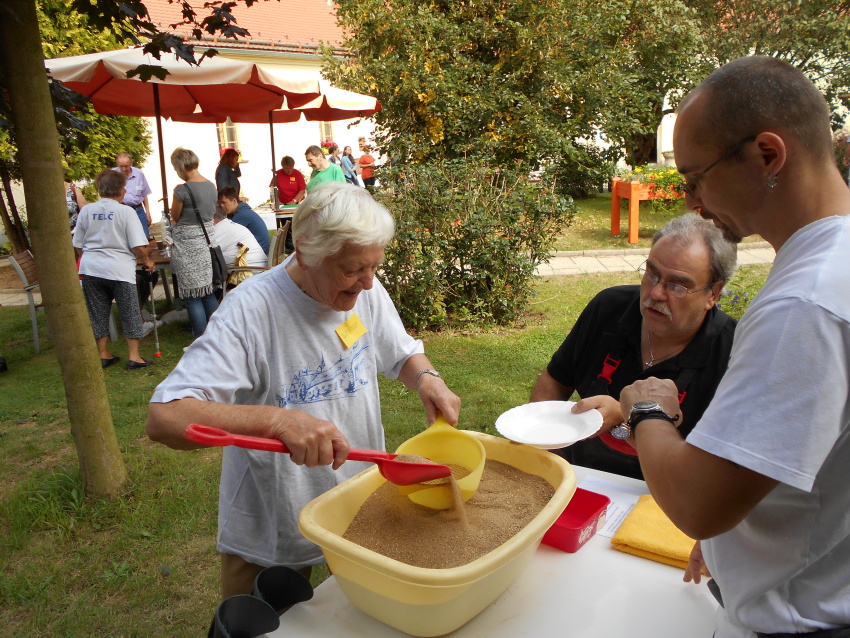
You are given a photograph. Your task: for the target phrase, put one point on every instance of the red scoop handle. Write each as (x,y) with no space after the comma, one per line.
(207,435)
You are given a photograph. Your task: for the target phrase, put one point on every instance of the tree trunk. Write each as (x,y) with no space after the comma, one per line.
(640,147)
(12,224)
(42,174)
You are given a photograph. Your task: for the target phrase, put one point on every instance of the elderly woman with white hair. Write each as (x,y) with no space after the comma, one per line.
(294,354)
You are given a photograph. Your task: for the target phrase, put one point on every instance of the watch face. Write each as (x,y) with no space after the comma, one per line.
(621,432)
(643,406)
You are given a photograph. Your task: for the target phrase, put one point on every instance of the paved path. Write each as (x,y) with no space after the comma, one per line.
(578,262)
(573,262)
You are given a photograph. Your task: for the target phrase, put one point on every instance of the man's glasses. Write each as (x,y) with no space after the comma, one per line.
(690,187)
(677,290)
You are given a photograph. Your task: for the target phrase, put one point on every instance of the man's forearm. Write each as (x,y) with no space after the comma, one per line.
(547,389)
(703,494)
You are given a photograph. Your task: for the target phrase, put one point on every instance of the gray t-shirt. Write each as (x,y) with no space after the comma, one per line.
(271,344)
(205,196)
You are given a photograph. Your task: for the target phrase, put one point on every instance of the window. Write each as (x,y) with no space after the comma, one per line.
(228,135)
(326,131)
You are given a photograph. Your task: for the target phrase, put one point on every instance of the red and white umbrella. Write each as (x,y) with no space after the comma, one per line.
(332,105)
(218,87)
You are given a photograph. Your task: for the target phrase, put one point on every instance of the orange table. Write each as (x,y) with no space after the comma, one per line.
(635,192)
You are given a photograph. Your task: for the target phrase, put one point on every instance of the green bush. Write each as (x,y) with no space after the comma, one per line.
(583,172)
(468,239)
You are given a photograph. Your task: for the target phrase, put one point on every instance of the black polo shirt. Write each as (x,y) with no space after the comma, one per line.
(610,325)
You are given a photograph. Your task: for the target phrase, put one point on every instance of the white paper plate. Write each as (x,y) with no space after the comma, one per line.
(548,425)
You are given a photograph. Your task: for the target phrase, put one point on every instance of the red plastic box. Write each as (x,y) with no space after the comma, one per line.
(584,514)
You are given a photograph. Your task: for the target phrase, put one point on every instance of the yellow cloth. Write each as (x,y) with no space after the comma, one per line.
(647,532)
(241,261)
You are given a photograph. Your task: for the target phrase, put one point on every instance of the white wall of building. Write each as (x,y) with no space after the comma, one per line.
(665,139)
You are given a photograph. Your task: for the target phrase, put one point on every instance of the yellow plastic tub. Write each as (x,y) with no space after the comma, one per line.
(418,600)
(444,444)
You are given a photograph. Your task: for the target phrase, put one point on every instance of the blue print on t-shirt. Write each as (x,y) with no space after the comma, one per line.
(328,383)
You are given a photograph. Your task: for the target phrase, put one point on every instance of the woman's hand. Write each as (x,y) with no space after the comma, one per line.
(438,399)
(311,441)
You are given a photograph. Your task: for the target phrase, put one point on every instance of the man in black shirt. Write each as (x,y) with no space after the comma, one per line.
(668,327)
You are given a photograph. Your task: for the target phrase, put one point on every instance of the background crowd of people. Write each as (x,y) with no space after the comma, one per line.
(110,248)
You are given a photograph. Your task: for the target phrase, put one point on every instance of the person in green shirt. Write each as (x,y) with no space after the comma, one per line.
(323,170)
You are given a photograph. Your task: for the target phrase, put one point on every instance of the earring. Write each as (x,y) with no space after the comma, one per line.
(772,180)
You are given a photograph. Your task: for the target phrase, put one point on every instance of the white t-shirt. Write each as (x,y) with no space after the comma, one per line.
(783,410)
(271,344)
(107,232)
(228,233)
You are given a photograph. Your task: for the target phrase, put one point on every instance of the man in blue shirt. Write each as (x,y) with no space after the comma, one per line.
(241,213)
(136,191)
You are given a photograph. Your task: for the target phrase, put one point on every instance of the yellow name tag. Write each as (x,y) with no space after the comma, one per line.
(351,330)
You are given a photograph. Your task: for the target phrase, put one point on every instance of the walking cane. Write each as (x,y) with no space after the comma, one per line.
(153,314)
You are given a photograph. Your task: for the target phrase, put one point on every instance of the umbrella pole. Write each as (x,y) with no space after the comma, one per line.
(274,172)
(161,150)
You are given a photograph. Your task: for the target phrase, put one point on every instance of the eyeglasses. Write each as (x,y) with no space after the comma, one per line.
(690,187)
(677,290)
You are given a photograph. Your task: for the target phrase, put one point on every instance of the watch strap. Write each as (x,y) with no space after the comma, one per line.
(430,371)
(654,414)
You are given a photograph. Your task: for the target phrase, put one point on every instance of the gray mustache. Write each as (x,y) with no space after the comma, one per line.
(658,306)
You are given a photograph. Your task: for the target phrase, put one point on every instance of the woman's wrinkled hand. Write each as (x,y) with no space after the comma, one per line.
(311,441)
(438,399)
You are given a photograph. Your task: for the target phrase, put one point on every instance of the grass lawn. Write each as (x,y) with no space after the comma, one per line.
(146,565)
(591,227)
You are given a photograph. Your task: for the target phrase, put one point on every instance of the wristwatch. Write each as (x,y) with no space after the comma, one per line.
(433,373)
(640,411)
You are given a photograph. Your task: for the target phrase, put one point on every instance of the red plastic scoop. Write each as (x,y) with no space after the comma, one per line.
(397,472)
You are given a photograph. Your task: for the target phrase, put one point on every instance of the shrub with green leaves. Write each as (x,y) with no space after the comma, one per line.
(581,173)
(468,239)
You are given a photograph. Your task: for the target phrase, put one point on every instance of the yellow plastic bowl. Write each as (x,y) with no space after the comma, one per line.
(448,446)
(418,600)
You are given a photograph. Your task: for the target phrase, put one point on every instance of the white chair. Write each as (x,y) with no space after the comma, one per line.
(24,265)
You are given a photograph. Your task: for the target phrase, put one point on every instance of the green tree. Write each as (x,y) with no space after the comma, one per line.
(813,35)
(90,142)
(31,114)
(41,170)
(66,32)
(526,79)
(498,80)
(532,80)
(655,47)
